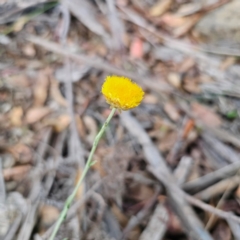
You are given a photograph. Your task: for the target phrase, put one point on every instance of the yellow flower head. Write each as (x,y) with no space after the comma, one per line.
(121,92)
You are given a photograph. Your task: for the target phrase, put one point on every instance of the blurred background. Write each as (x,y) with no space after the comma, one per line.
(168,169)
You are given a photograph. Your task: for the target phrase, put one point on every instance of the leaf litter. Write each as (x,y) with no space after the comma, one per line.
(189,115)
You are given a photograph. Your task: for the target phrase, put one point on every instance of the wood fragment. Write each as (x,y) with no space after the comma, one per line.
(219,188)
(207,180)
(222,149)
(17,172)
(157,225)
(183,169)
(220,213)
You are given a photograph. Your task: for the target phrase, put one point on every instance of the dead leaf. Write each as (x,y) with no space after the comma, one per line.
(206,115)
(40,90)
(122,219)
(150,99)
(29,50)
(188,128)
(91,127)
(15,116)
(139,192)
(174,79)
(56,93)
(22,153)
(173,21)
(160,8)
(35,114)
(16,173)
(59,123)
(62,122)
(48,214)
(172,112)
(187,26)
(188,9)
(136,48)
(228,62)
(80,190)
(191,85)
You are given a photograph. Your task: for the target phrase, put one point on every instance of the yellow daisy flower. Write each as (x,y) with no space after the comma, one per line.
(122,93)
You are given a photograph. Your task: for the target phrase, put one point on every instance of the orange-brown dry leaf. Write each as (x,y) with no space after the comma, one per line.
(140,192)
(81,188)
(144,193)
(35,114)
(150,99)
(29,50)
(16,173)
(40,90)
(188,128)
(99,158)
(135,233)
(172,112)
(22,153)
(136,48)
(120,216)
(80,127)
(188,9)
(172,20)
(15,116)
(160,8)
(187,26)
(228,62)
(174,79)
(59,123)
(56,93)
(191,85)
(91,127)
(48,214)
(206,115)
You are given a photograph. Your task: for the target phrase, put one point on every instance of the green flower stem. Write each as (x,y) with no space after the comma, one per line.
(88,165)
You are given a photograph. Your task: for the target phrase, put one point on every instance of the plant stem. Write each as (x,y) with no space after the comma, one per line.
(88,165)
